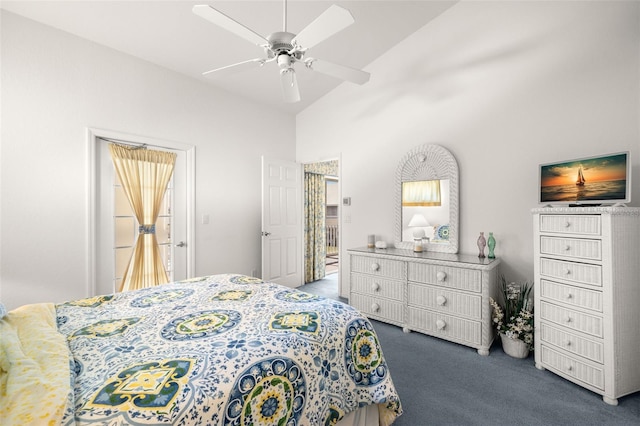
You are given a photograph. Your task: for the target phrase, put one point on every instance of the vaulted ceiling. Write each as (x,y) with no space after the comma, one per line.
(169,34)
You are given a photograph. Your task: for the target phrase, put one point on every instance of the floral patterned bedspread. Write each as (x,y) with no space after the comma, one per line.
(222,350)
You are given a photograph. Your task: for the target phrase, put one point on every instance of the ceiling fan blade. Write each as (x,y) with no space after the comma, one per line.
(324,26)
(220,19)
(339,71)
(232,69)
(290,91)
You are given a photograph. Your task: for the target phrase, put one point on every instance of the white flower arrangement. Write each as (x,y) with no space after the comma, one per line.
(518,311)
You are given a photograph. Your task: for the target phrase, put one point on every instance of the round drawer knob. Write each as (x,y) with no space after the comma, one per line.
(568,343)
(569,296)
(569,368)
(375,266)
(567,248)
(568,319)
(441,276)
(567,224)
(375,307)
(375,286)
(441,300)
(567,272)
(441,324)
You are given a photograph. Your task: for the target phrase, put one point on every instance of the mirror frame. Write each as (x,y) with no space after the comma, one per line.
(429,162)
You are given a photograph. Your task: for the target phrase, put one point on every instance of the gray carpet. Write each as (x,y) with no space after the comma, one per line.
(443,383)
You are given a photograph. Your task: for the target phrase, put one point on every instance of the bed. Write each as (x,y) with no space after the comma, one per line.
(219,350)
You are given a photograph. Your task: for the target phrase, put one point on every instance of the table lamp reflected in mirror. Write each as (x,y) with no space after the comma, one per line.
(418,222)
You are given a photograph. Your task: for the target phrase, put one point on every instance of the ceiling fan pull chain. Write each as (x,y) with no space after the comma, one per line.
(290,72)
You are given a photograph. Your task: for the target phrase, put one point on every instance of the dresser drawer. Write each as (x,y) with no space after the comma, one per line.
(443,300)
(592,375)
(590,324)
(390,310)
(571,295)
(570,224)
(377,286)
(571,247)
(571,271)
(458,278)
(445,326)
(376,266)
(571,342)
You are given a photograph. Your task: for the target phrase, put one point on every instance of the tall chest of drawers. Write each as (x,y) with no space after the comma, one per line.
(587,297)
(440,294)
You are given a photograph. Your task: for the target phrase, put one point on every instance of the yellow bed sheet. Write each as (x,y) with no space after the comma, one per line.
(35,375)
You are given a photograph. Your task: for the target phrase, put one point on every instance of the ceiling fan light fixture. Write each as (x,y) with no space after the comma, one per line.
(285,61)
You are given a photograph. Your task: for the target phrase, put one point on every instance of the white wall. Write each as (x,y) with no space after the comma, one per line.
(54,85)
(504,86)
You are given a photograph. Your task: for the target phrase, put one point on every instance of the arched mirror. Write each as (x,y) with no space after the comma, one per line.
(427,199)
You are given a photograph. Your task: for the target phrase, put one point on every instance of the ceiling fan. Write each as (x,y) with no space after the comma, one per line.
(287,49)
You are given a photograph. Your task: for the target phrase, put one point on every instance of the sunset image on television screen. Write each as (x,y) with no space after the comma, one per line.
(602,178)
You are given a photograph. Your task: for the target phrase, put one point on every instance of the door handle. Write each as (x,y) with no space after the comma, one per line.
(181,244)
(265,234)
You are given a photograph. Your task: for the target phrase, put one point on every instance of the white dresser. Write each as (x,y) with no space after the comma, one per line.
(587,296)
(441,294)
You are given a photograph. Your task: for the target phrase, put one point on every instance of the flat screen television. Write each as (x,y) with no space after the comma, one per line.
(604,179)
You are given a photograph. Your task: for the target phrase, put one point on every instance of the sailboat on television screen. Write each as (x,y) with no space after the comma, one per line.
(580,181)
(588,181)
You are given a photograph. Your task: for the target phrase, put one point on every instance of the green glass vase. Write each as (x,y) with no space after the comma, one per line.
(491,243)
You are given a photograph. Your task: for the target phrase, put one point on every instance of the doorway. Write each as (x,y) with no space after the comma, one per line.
(322,219)
(111,223)
(332,222)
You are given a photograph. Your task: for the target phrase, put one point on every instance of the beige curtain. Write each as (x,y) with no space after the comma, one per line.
(144,175)
(421,193)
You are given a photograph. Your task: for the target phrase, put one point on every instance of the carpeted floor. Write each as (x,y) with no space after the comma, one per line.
(327,287)
(443,383)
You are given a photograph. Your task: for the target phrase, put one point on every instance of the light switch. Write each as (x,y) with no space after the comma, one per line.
(205,219)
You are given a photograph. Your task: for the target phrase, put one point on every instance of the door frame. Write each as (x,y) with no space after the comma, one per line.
(340,205)
(92,136)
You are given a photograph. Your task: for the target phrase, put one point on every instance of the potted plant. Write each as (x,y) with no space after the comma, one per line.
(514,318)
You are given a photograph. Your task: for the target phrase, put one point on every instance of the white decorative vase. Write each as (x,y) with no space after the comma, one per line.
(514,347)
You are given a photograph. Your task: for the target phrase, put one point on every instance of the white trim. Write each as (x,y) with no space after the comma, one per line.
(191,210)
(301,245)
(92,139)
(91,214)
(342,253)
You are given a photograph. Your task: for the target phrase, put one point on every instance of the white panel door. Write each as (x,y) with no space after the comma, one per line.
(282,222)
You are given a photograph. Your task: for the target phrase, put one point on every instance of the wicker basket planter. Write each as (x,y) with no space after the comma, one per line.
(514,347)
